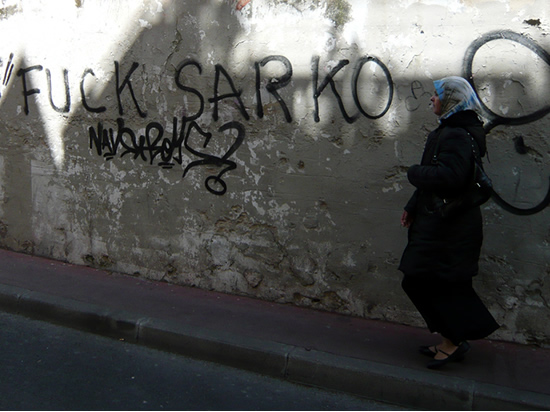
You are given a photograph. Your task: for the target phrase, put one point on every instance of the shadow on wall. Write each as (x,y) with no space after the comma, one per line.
(174,97)
(176,154)
(201,70)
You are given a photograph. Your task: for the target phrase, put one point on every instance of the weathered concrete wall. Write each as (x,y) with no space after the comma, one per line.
(261,147)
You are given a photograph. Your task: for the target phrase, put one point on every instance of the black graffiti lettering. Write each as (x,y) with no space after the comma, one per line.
(495,119)
(329,79)
(83,94)
(274,85)
(234,94)
(212,181)
(104,141)
(152,146)
(360,64)
(180,85)
(176,144)
(134,146)
(519,211)
(123,83)
(26,92)
(9,69)
(206,135)
(98,137)
(126,83)
(67,107)
(157,146)
(230,165)
(418,92)
(166,147)
(169,152)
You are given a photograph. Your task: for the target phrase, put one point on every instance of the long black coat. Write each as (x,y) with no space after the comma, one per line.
(447,248)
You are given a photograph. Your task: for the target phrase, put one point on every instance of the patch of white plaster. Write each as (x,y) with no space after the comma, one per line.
(396,187)
(144,24)
(348,260)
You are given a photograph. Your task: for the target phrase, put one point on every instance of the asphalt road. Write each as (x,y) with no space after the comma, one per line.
(49,367)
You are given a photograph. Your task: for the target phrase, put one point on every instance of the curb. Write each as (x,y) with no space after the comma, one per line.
(377,381)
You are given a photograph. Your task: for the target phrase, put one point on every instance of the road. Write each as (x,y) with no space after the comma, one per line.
(49,367)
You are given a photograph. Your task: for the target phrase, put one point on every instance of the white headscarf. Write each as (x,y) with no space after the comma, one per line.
(456,95)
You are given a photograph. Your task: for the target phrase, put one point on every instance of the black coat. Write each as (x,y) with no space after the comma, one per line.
(449,247)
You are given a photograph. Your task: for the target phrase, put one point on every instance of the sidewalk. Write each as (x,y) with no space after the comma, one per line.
(373,359)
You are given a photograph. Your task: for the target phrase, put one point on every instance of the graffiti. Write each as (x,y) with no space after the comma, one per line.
(223,161)
(235,94)
(274,85)
(153,146)
(26,92)
(329,80)
(412,102)
(83,94)
(67,107)
(181,86)
(168,151)
(126,83)
(123,84)
(495,119)
(8,71)
(277,83)
(355,82)
(119,89)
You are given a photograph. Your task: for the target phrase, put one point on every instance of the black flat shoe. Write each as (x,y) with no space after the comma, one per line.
(456,356)
(425,350)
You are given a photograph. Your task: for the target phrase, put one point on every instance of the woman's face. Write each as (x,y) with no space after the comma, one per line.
(436,104)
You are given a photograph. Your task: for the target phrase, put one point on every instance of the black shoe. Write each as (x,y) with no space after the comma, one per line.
(456,356)
(426,350)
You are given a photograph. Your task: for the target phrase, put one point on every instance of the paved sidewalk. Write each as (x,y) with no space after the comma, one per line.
(373,359)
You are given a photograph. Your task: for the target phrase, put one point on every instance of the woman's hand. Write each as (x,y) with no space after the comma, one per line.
(406,219)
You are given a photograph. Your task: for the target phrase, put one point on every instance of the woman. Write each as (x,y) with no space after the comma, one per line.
(442,253)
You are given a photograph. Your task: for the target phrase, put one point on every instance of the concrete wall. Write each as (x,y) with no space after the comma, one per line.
(261,147)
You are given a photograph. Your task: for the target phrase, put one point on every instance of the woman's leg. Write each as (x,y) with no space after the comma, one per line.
(452,309)
(446,348)
(421,292)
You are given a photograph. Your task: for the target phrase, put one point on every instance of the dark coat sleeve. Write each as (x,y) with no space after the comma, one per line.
(410,207)
(453,167)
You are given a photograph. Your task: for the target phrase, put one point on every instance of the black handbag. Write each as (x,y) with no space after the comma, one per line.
(478,192)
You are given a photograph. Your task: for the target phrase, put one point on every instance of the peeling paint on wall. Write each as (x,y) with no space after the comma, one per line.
(260,147)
